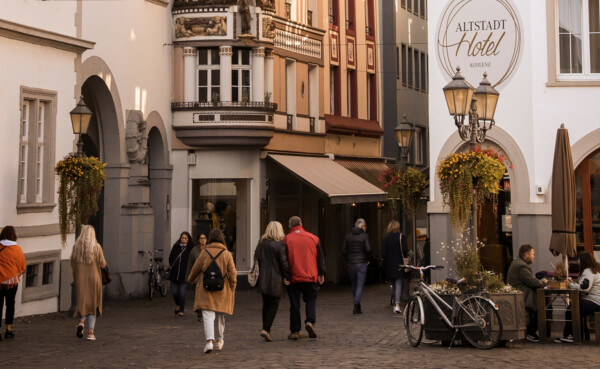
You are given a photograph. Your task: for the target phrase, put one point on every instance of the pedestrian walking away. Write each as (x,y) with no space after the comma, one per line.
(194,253)
(178,261)
(589,296)
(87,259)
(271,257)
(214,304)
(12,266)
(393,251)
(307,269)
(356,249)
(522,278)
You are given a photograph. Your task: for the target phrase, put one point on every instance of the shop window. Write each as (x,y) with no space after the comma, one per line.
(35,183)
(41,277)
(209,75)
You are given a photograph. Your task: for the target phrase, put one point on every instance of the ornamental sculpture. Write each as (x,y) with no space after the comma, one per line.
(207,26)
(266,4)
(244,10)
(136,137)
(268,28)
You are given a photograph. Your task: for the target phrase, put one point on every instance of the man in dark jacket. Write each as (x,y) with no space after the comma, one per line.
(307,268)
(522,278)
(356,249)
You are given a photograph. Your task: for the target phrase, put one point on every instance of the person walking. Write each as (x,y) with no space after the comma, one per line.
(214,304)
(178,261)
(356,249)
(12,266)
(307,269)
(393,250)
(271,257)
(522,278)
(194,253)
(589,295)
(87,259)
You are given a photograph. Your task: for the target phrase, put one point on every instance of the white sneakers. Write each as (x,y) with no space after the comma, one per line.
(208,348)
(220,344)
(397,309)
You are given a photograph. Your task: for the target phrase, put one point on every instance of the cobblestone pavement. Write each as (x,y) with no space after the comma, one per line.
(146,334)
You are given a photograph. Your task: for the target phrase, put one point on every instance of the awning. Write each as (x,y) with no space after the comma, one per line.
(336,182)
(352,126)
(367,169)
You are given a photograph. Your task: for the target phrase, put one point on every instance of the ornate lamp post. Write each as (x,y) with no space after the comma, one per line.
(404,135)
(80,119)
(480,105)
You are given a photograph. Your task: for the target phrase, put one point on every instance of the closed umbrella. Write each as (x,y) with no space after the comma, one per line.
(563,198)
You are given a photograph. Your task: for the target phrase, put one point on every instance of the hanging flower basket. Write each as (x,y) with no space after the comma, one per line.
(80,182)
(407,187)
(462,173)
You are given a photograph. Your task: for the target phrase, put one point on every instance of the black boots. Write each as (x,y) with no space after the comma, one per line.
(357,309)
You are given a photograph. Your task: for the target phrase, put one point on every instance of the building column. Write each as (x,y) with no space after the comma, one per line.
(225,53)
(258,74)
(269,73)
(189,74)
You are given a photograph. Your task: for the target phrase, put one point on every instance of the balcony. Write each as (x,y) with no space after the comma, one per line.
(241,124)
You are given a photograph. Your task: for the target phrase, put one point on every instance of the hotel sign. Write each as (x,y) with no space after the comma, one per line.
(480,36)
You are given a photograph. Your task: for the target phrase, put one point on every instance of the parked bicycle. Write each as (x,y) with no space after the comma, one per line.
(474,315)
(157,274)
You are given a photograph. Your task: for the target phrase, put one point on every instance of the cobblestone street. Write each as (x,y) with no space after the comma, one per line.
(146,334)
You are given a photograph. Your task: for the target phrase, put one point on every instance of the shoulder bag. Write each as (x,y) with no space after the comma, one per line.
(106,278)
(405,260)
(253,275)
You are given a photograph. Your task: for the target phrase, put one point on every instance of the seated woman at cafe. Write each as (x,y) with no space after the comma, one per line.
(589,293)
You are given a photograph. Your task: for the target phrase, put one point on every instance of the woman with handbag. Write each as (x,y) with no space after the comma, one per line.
(178,261)
(270,254)
(394,252)
(12,266)
(87,259)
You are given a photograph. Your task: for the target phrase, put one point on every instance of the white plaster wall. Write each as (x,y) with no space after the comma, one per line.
(55,16)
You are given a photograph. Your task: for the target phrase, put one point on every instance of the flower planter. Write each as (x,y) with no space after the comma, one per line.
(511,307)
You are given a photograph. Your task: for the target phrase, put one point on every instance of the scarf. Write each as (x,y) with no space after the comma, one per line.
(12,264)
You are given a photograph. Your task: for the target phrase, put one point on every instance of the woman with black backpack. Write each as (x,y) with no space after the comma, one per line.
(216,278)
(178,261)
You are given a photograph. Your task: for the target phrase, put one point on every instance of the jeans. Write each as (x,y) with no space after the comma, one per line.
(209,318)
(269,310)
(358,276)
(178,290)
(585,307)
(91,321)
(8,294)
(308,291)
(397,290)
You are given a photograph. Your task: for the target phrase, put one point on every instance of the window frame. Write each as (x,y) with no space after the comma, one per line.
(40,291)
(240,68)
(209,67)
(36,154)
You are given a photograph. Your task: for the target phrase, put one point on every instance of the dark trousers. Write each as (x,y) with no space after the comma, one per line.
(585,307)
(178,291)
(358,276)
(8,295)
(532,325)
(269,310)
(308,291)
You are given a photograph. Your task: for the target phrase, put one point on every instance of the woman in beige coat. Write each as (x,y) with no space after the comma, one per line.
(214,304)
(86,260)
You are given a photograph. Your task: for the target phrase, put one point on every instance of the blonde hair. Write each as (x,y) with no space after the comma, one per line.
(393,227)
(85,245)
(274,231)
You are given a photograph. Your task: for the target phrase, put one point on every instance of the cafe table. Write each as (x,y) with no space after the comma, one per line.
(550,301)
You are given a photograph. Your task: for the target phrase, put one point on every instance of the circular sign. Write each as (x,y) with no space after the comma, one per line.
(479,36)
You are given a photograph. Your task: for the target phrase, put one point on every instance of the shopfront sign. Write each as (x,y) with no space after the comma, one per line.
(480,36)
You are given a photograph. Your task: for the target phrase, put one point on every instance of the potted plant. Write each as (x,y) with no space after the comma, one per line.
(215,98)
(81,179)
(406,187)
(245,97)
(267,97)
(464,174)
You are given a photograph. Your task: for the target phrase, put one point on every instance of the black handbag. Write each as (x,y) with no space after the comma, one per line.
(106,278)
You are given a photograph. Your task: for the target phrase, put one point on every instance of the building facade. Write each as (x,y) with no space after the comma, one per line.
(541,57)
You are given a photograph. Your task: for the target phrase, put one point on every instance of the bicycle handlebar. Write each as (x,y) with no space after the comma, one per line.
(422,267)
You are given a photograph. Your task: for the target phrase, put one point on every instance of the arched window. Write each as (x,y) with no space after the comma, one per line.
(587,183)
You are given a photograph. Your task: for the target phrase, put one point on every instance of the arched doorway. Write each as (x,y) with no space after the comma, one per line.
(587,184)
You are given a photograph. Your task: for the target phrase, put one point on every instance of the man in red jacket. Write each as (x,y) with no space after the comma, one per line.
(307,267)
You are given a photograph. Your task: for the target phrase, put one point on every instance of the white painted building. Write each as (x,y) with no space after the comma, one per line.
(546,67)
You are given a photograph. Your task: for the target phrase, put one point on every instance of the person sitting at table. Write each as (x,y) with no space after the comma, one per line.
(589,293)
(521,277)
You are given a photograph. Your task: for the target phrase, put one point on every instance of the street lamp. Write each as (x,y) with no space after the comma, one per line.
(404,136)
(480,105)
(80,119)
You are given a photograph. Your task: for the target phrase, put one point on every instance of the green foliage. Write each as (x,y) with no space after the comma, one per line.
(80,182)
(463,173)
(406,186)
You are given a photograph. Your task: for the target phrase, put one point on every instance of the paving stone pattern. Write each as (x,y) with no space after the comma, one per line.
(146,334)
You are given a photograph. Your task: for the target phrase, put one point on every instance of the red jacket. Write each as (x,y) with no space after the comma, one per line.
(305,256)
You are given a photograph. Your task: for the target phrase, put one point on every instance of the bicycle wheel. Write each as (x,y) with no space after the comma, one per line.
(162,284)
(484,326)
(412,321)
(151,286)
